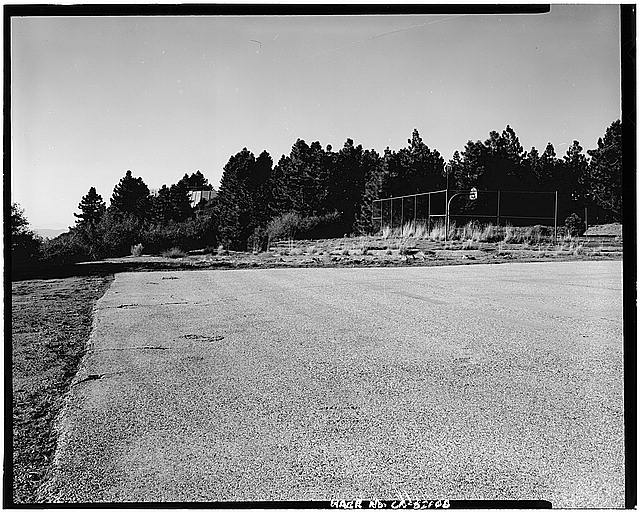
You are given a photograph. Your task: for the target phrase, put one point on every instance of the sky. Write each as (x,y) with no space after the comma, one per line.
(92,97)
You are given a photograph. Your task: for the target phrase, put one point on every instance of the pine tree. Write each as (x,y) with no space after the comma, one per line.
(92,208)
(347,182)
(161,206)
(243,197)
(547,169)
(471,172)
(531,165)
(575,169)
(375,183)
(131,197)
(179,202)
(195,182)
(605,172)
(423,167)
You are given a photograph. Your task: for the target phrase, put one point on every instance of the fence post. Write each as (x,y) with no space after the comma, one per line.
(498,214)
(415,209)
(401,212)
(586,222)
(373,207)
(555,220)
(391,209)
(446,215)
(429,215)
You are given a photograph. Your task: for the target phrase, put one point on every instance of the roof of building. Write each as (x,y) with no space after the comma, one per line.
(198,196)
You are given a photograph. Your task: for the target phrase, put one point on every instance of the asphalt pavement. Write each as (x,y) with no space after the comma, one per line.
(468,382)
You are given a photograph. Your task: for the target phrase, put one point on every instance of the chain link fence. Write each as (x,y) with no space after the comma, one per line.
(516,208)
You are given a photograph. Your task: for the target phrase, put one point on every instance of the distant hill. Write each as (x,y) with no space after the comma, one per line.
(49,233)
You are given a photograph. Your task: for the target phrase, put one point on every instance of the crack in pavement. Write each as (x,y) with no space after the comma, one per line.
(95,377)
(139,348)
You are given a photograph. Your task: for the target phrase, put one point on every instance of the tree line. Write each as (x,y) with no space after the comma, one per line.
(316,192)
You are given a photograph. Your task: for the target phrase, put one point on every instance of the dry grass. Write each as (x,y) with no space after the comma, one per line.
(437,232)
(578,249)
(136,250)
(50,324)
(469,244)
(411,229)
(174,253)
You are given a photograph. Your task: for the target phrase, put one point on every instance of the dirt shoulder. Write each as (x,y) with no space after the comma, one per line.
(377,252)
(50,323)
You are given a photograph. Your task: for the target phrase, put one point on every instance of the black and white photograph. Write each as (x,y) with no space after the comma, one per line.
(336,257)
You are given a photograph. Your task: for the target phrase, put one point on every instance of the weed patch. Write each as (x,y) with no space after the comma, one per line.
(174,253)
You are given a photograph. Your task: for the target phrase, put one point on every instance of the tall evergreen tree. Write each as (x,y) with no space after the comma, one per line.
(531,165)
(574,171)
(92,208)
(548,168)
(161,206)
(195,182)
(300,180)
(131,197)
(180,202)
(243,197)
(375,183)
(347,182)
(422,167)
(259,188)
(504,168)
(469,170)
(605,172)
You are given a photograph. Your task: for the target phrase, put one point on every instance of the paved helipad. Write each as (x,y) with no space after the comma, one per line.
(474,382)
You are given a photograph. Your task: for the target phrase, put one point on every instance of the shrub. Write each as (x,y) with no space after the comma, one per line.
(258,241)
(283,227)
(136,250)
(533,234)
(574,225)
(70,247)
(118,233)
(174,253)
(510,234)
(293,226)
(25,245)
(192,233)
(321,227)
